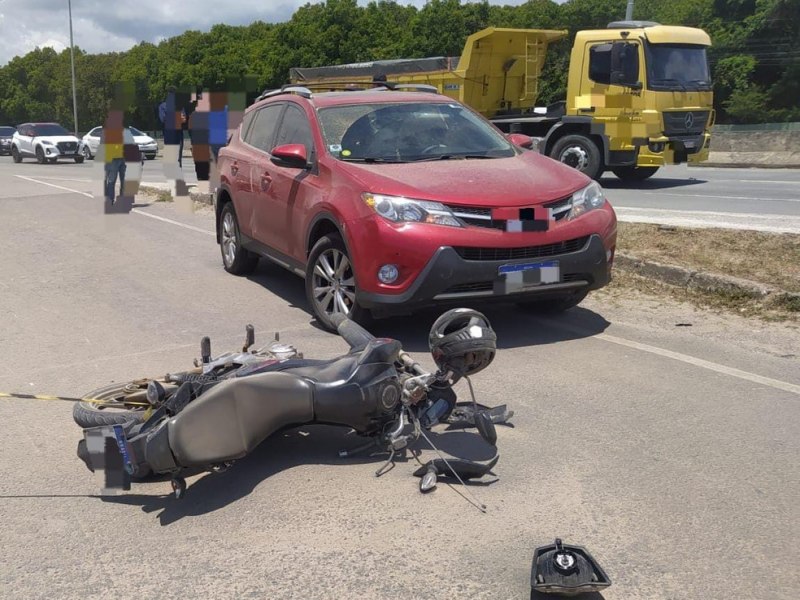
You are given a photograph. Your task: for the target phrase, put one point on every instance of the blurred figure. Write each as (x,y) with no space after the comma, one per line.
(118,148)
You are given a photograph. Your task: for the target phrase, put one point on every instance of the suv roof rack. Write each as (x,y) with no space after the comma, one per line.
(305,90)
(286,89)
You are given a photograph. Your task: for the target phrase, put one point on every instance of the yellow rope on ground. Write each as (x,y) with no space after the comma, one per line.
(96,401)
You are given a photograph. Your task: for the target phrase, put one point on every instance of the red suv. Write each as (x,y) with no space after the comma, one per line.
(387,200)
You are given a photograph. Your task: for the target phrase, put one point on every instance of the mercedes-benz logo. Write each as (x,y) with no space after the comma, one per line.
(689,120)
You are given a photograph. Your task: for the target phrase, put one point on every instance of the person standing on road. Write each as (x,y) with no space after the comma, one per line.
(118,149)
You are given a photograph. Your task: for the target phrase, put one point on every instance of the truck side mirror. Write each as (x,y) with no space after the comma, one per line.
(625,65)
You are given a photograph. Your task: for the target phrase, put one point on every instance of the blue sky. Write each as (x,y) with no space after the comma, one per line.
(112,25)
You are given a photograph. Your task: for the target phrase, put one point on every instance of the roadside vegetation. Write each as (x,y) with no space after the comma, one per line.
(754,59)
(771,259)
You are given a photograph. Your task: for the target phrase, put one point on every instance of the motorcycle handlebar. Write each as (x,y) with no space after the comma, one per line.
(355,335)
(358,337)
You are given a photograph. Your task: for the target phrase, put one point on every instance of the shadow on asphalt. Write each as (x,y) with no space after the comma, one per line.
(514,326)
(663,183)
(307,445)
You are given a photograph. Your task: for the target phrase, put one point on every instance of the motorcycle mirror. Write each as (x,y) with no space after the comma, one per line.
(429,480)
(250,337)
(485,425)
(205,349)
(155,393)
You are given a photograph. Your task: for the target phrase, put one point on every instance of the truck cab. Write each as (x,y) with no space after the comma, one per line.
(640,92)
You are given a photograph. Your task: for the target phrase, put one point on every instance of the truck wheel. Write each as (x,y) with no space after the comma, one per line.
(634,173)
(579,152)
(16,155)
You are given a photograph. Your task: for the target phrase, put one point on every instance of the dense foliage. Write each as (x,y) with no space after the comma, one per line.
(755,59)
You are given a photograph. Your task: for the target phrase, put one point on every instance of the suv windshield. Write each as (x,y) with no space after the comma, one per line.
(677,67)
(409,132)
(50,129)
(6,131)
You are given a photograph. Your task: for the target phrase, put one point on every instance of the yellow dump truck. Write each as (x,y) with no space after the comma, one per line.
(639,94)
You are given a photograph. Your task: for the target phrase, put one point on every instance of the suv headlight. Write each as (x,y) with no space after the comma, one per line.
(400,210)
(47,143)
(586,199)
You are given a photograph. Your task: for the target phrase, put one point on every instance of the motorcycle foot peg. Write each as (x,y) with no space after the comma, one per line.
(205,349)
(178,487)
(250,337)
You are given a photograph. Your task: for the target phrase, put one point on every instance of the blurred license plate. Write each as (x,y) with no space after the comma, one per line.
(517,277)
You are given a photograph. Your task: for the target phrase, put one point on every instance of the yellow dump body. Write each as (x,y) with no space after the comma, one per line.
(498,70)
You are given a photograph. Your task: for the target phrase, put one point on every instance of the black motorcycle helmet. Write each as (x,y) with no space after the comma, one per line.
(462,341)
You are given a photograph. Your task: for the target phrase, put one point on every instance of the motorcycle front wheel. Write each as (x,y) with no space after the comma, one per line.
(113,404)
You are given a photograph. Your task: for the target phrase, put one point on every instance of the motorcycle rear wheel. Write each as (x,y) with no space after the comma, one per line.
(113,404)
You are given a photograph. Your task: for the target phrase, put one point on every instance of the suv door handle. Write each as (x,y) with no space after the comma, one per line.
(234,167)
(266,181)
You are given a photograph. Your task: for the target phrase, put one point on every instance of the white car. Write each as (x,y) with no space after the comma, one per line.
(91,142)
(46,142)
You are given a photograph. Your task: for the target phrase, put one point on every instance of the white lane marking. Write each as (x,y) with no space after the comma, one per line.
(759,199)
(699,362)
(179,224)
(796,182)
(704,219)
(53,185)
(66,179)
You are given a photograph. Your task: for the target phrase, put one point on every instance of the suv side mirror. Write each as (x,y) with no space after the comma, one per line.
(521,140)
(293,156)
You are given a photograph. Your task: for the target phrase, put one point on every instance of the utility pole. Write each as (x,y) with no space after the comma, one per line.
(72,60)
(629,11)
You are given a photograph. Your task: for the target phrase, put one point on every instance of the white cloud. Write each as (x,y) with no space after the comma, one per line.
(116,25)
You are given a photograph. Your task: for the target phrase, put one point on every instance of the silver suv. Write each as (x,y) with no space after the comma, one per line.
(46,142)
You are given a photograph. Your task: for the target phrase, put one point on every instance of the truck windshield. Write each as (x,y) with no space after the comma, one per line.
(409,132)
(677,67)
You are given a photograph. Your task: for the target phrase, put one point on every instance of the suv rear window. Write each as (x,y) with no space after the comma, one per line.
(407,132)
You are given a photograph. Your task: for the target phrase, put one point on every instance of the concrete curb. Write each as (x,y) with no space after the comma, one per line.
(707,282)
(202,197)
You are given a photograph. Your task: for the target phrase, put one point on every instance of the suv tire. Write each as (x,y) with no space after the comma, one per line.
(40,155)
(235,258)
(15,155)
(331,284)
(579,152)
(79,159)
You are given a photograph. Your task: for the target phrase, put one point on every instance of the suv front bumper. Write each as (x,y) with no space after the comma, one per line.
(449,278)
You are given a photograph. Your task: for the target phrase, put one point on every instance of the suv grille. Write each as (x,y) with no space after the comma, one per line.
(679,123)
(488,286)
(67,146)
(486,254)
(482,216)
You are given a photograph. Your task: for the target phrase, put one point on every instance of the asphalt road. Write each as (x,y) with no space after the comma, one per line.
(663,438)
(763,199)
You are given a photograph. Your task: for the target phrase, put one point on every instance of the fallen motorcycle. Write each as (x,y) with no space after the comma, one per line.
(221,410)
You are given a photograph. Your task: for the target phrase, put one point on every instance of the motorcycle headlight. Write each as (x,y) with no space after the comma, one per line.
(586,199)
(399,210)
